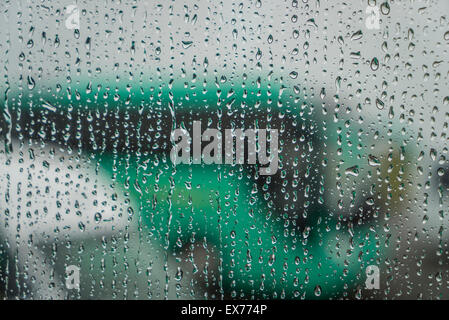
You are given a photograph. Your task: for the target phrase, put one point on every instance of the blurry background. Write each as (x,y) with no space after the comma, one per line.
(86,180)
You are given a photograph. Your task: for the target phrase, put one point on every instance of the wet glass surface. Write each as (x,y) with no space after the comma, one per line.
(224,150)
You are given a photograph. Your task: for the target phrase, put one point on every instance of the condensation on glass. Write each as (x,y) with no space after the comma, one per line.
(224,150)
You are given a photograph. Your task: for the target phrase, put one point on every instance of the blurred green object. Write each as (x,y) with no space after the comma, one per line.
(259,257)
